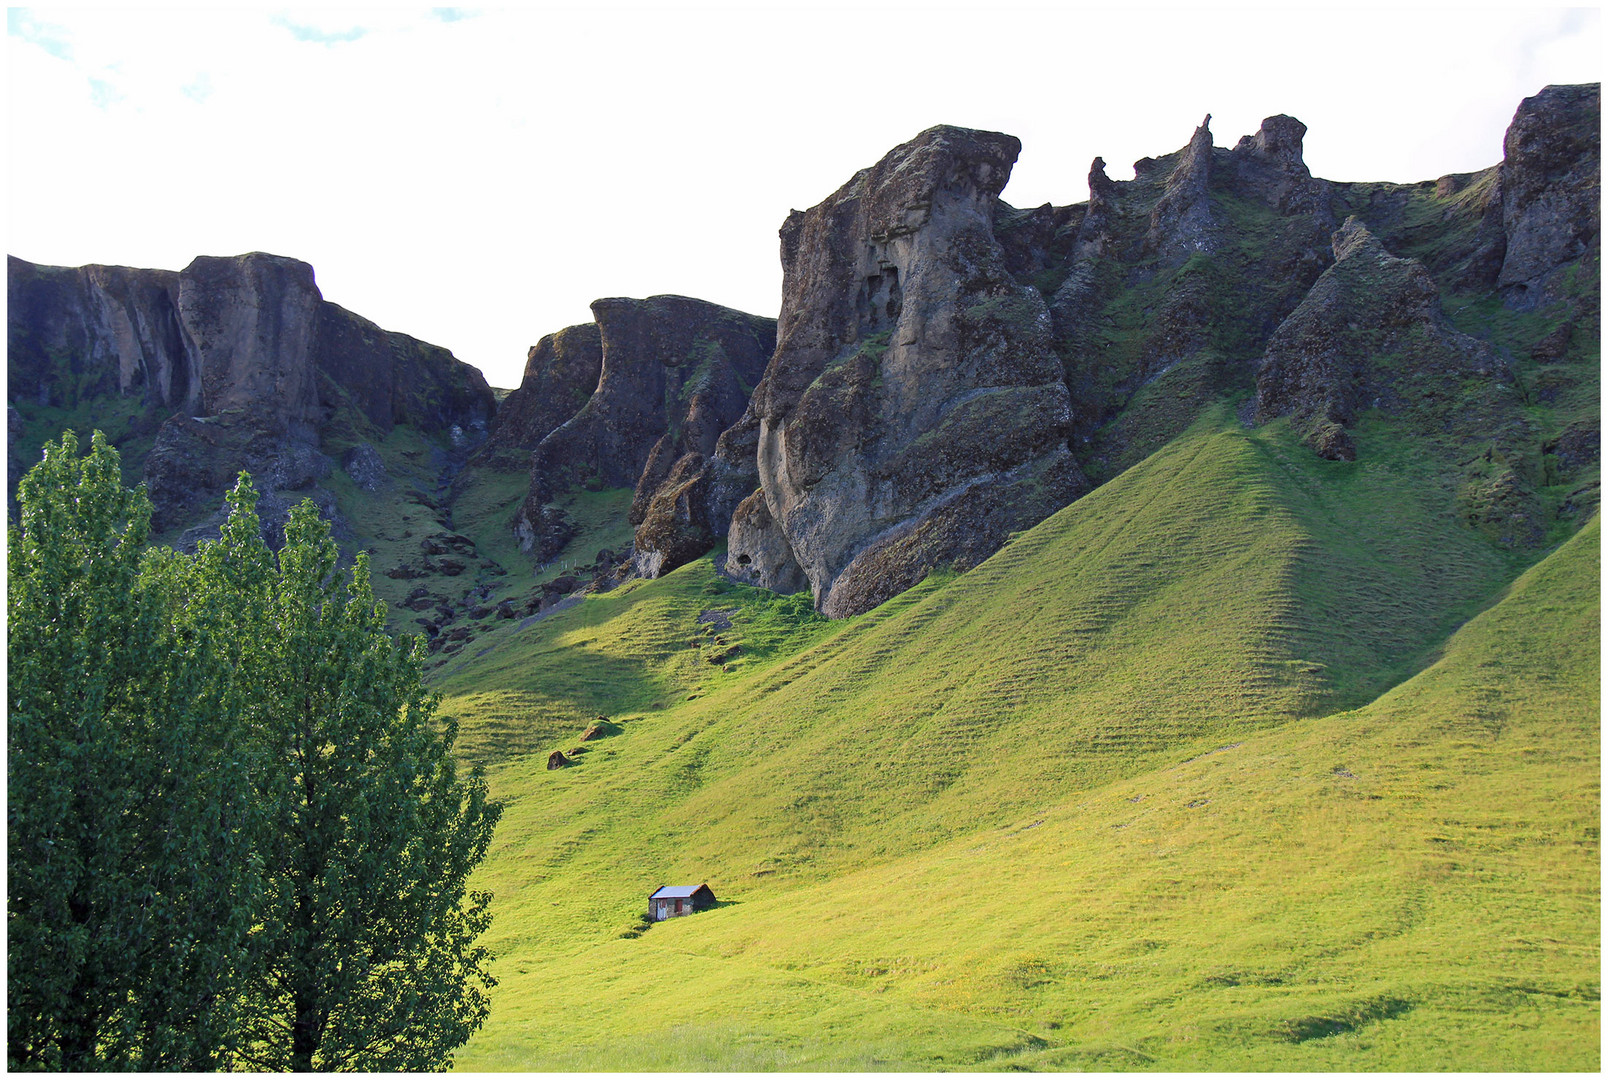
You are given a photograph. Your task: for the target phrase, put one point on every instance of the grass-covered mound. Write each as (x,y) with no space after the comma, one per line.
(1088,805)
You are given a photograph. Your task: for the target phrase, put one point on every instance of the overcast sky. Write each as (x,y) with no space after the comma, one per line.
(475,177)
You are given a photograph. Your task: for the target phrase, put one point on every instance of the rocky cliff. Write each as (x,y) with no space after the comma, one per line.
(1173,281)
(949,368)
(1551,185)
(1367,329)
(1371,335)
(914,413)
(561,372)
(675,372)
(946,368)
(96,331)
(232,363)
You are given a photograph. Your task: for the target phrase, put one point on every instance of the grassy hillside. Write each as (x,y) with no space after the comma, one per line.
(1088,805)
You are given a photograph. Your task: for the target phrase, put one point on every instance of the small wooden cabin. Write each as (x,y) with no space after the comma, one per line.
(668,901)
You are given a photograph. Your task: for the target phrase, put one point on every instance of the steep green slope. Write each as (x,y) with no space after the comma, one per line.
(1411,886)
(927,808)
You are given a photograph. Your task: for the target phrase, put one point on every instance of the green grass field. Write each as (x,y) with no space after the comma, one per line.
(1247,760)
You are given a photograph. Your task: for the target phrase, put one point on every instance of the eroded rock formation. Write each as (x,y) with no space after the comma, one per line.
(675,373)
(914,412)
(1551,190)
(1369,334)
(232,363)
(561,372)
(1181,220)
(946,369)
(95,330)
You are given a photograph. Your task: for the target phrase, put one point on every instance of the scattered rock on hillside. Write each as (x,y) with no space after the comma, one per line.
(599,728)
(1331,441)
(716,618)
(365,466)
(557,760)
(542,529)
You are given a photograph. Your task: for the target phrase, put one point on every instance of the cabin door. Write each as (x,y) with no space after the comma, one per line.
(664,911)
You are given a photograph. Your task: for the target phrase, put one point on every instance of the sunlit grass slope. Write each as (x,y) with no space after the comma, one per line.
(1409,886)
(1074,808)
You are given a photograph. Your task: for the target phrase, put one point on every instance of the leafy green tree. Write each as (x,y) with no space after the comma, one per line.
(368,954)
(237,833)
(132,882)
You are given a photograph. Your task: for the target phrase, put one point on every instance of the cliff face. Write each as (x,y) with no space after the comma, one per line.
(674,373)
(1371,335)
(914,412)
(946,369)
(1551,190)
(1174,280)
(96,331)
(561,372)
(251,322)
(949,368)
(232,363)
(1369,331)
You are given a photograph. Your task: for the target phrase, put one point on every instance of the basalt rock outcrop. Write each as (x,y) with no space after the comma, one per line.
(946,369)
(232,363)
(1369,334)
(1181,221)
(1163,301)
(96,331)
(914,414)
(561,372)
(1551,190)
(675,373)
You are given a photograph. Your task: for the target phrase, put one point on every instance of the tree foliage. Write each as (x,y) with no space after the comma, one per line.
(131,879)
(238,836)
(369,954)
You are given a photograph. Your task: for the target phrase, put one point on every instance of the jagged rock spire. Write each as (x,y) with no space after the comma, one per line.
(1181,222)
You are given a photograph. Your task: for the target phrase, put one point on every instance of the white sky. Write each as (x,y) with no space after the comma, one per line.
(476,177)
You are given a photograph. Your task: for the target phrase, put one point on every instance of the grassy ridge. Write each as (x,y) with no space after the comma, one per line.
(923,815)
